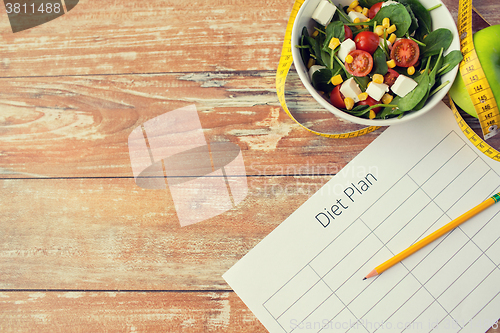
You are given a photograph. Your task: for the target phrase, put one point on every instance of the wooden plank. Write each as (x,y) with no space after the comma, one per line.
(79,126)
(155,36)
(41,311)
(111,234)
(93,311)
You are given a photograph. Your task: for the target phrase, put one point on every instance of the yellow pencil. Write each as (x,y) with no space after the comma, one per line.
(435,235)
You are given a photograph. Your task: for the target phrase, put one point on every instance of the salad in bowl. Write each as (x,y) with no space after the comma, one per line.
(376,62)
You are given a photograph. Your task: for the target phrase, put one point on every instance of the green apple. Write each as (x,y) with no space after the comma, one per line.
(487,45)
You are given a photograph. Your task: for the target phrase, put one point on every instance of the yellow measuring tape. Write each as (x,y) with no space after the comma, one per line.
(285,63)
(473,137)
(477,86)
(473,75)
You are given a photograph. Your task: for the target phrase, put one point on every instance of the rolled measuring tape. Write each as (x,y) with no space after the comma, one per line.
(285,63)
(477,86)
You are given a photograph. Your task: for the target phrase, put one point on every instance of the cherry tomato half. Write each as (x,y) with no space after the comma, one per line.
(347,32)
(336,98)
(362,63)
(390,77)
(405,52)
(374,9)
(370,101)
(367,41)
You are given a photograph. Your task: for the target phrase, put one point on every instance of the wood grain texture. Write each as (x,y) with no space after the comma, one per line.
(79,126)
(79,311)
(116,37)
(83,248)
(110,234)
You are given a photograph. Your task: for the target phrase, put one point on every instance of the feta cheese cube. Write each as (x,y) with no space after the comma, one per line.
(403,85)
(354,14)
(314,69)
(345,48)
(350,89)
(323,13)
(377,90)
(388,3)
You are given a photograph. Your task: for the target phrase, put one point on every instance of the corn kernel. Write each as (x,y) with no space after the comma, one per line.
(363,96)
(365,11)
(348,10)
(391,63)
(379,30)
(392,38)
(349,59)
(410,70)
(334,42)
(391,29)
(372,114)
(359,9)
(354,4)
(315,33)
(356,20)
(349,103)
(387,98)
(378,78)
(386,23)
(336,80)
(310,63)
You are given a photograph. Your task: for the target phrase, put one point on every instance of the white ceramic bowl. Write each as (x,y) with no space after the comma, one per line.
(441,18)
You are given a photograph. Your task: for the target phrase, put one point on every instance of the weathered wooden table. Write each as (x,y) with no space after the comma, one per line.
(82,247)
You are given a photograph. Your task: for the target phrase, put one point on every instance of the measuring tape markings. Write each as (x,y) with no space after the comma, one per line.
(285,63)
(477,87)
(475,139)
(473,75)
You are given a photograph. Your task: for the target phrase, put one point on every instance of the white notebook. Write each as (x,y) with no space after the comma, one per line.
(307,275)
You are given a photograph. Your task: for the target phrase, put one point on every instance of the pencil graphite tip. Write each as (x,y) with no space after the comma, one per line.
(364,278)
(371,274)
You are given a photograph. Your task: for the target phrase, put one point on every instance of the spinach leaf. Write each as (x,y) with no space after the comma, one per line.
(368,3)
(359,110)
(321,80)
(432,74)
(411,99)
(414,21)
(434,41)
(422,101)
(379,62)
(333,30)
(422,15)
(326,57)
(340,14)
(316,49)
(390,111)
(450,61)
(398,15)
(305,48)
(362,81)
